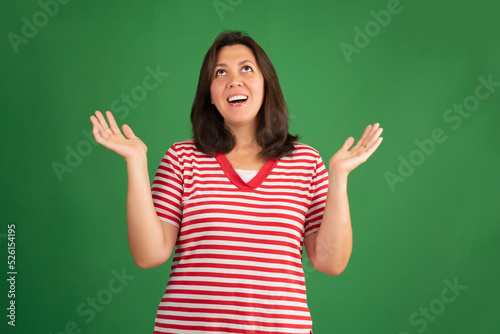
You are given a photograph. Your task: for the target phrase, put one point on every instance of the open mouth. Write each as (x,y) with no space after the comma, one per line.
(237,99)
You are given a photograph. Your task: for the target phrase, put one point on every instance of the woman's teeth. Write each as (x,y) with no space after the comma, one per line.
(237,99)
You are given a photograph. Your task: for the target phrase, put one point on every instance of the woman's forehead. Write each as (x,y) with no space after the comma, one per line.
(232,53)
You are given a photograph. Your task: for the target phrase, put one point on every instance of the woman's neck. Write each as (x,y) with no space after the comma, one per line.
(245,138)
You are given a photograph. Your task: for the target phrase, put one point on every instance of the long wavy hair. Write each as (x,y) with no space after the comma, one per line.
(209,131)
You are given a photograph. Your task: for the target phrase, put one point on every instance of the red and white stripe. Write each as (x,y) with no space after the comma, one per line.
(237,266)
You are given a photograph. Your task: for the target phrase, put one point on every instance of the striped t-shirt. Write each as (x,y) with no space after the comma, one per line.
(237,265)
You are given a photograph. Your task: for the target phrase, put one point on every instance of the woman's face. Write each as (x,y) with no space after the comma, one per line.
(237,88)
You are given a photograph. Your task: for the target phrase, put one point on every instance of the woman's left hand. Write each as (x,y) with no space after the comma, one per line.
(344,161)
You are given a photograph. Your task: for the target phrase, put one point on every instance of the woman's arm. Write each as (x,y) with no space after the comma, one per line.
(329,250)
(151,241)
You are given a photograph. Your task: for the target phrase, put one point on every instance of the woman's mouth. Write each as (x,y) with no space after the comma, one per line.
(237,100)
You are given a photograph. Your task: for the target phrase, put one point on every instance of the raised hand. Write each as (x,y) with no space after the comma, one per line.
(112,138)
(344,161)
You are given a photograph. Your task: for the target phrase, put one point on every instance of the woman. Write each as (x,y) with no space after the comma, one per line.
(238,202)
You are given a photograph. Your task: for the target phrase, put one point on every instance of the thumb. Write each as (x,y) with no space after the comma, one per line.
(347,144)
(128,131)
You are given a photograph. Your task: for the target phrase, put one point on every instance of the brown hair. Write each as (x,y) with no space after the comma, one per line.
(209,132)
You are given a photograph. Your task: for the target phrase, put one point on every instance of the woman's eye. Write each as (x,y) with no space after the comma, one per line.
(217,73)
(222,72)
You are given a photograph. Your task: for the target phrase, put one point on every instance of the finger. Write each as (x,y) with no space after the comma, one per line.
(374,146)
(95,129)
(373,139)
(361,141)
(99,133)
(364,155)
(347,144)
(372,132)
(128,132)
(112,123)
(103,124)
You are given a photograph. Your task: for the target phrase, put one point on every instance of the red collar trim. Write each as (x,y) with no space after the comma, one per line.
(233,176)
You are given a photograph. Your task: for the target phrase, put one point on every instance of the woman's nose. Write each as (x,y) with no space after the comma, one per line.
(235,80)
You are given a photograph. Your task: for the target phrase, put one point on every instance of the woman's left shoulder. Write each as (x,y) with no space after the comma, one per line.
(301,148)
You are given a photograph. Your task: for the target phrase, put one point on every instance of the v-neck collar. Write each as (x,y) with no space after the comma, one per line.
(233,176)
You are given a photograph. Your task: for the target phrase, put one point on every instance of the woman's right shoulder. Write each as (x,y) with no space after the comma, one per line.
(186,148)
(183,145)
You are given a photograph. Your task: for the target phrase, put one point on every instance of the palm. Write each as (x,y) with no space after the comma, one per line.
(112,138)
(345,160)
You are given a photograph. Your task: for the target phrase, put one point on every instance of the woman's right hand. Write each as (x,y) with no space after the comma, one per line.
(112,138)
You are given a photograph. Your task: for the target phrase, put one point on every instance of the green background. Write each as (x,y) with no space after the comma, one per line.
(439,222)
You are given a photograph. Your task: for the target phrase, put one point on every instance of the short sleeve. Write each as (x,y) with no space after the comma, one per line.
(167,188)
(318,191)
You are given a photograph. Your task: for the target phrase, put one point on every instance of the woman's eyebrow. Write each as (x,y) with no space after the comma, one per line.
(240,63)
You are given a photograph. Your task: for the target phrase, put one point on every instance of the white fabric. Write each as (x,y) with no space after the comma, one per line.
(246,175)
